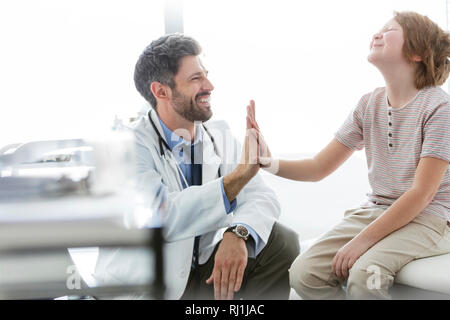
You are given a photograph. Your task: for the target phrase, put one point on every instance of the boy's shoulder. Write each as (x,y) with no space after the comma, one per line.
(378,93)
(437,93)
(435,97)
(374,97)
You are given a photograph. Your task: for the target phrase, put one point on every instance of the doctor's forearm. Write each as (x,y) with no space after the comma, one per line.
(234,182)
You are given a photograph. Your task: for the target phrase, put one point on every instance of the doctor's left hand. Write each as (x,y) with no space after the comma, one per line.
(229,266)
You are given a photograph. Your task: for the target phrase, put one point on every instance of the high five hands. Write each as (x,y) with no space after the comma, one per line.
(230,260)
(258,150)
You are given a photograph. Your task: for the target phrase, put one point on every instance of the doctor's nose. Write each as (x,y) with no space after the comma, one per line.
(207,85)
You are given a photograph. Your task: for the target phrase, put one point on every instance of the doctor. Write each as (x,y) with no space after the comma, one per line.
(223,240)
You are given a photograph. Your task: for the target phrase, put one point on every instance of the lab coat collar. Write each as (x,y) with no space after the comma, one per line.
(211,160)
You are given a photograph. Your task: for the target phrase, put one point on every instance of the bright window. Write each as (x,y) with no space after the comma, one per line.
(303,62)
(67,66)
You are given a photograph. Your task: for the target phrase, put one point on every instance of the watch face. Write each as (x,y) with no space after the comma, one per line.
(242,231)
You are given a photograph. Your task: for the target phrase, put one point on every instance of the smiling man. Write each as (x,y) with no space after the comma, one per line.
(222,237)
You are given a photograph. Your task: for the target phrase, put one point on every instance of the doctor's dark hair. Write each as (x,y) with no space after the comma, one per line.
(160,62)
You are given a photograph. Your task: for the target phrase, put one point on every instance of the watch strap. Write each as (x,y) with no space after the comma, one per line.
(230,229)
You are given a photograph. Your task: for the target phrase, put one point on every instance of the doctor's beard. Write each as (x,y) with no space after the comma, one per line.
(188,109)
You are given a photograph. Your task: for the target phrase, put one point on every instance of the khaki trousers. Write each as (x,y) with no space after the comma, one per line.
(373,273)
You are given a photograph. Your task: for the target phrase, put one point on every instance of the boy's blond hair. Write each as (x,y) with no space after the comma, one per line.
(425,39)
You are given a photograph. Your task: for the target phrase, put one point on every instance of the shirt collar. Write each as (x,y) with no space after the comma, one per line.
(173,140)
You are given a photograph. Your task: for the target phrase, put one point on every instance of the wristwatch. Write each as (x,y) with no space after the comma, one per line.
(240,231)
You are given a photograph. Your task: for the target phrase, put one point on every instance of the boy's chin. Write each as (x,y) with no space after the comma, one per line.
(374,61)
(371,59)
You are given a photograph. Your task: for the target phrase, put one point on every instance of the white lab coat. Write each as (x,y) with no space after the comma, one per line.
(197,210)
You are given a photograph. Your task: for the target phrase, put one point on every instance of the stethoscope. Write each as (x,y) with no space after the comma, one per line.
(163,145)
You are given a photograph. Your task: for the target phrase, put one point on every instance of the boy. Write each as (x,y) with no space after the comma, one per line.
(405,130)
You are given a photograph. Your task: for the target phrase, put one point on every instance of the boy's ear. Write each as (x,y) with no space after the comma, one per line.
(159,90)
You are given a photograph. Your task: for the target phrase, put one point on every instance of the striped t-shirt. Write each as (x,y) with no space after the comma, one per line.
(396,138)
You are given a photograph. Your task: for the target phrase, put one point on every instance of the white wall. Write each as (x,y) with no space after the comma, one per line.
(303,62)
(66,67)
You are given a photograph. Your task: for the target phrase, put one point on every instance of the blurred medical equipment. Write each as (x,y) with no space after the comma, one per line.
(61,199)
(96,166)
